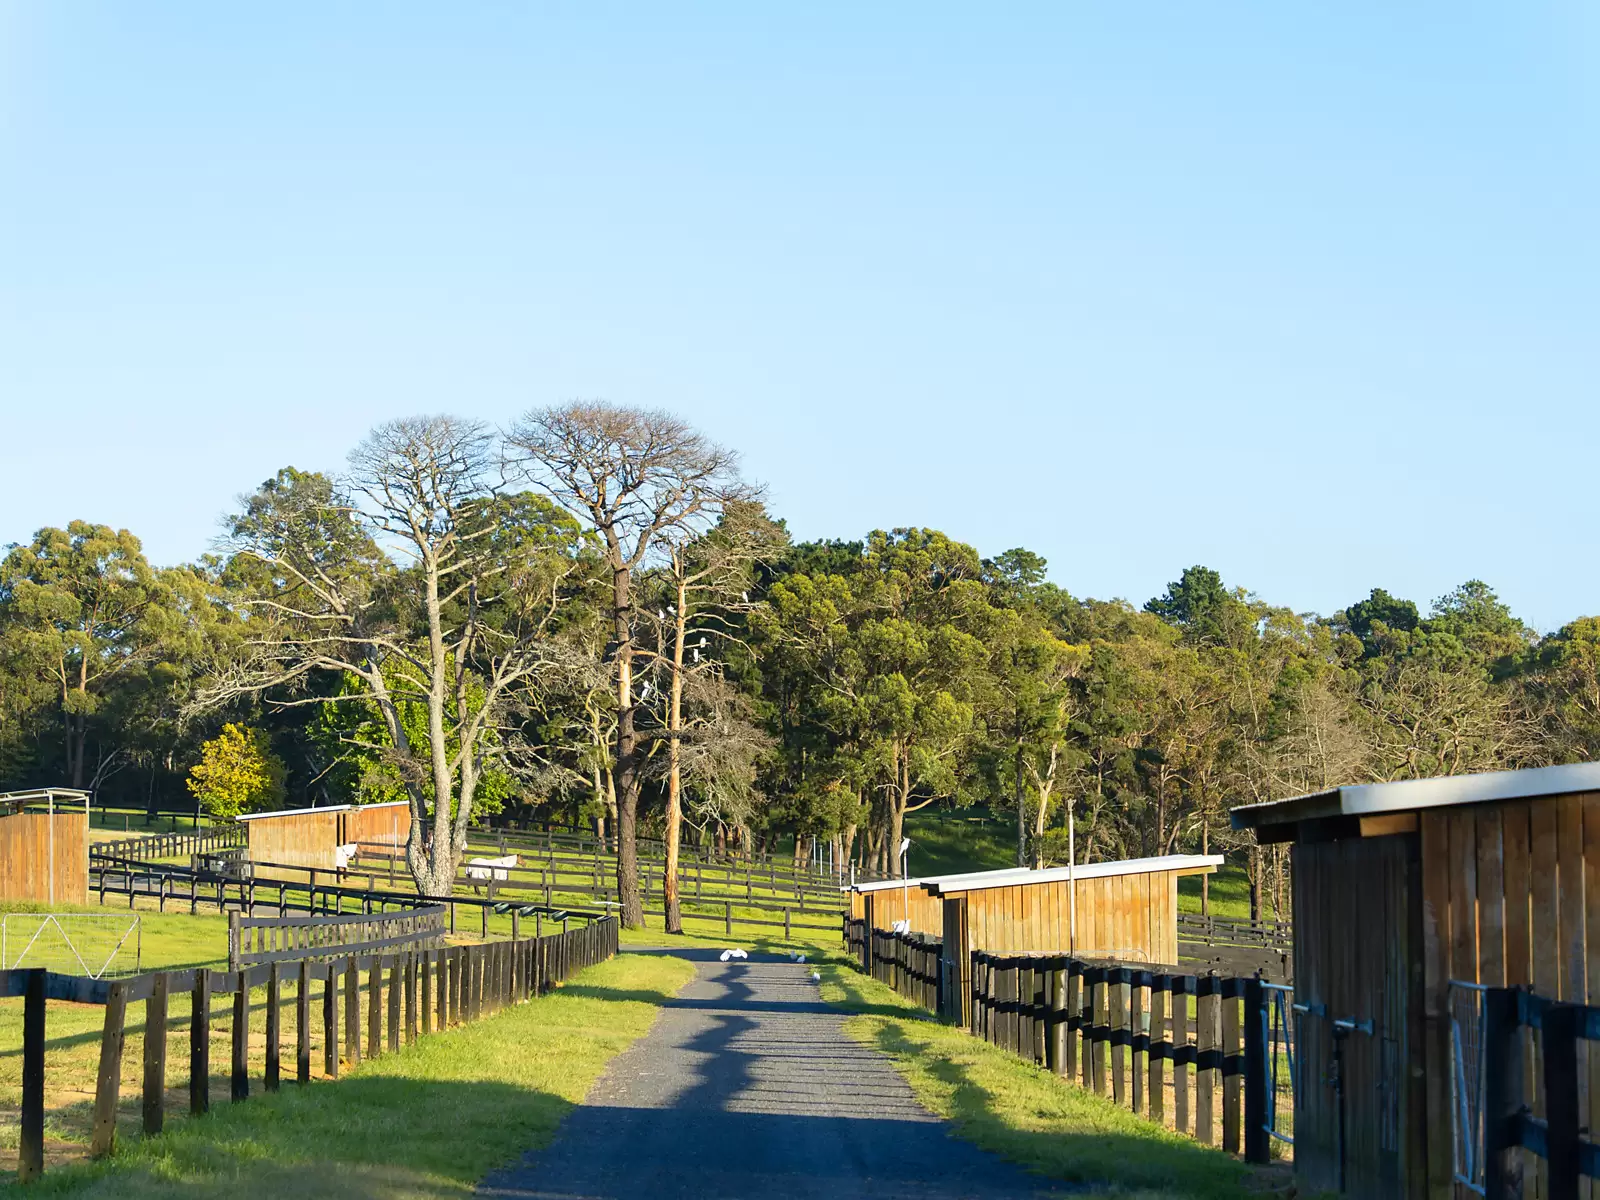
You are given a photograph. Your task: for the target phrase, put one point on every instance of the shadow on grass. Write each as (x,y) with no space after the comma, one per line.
(1140,1160)
(368,1136)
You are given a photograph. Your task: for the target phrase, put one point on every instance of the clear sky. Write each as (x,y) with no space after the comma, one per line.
(1306,293)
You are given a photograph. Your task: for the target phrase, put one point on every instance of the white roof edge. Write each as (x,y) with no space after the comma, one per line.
(379,804)
(882,884)
(1440,791)
(1097,870)
(44,794)
(296,812)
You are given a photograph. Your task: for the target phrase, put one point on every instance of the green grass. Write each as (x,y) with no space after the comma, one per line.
(948,843)
(1230,894)
(430,1121)
(1028,1115)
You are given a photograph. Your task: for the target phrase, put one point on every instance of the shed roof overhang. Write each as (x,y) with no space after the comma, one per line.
(296,812)
(884,884)
(1177,864)
(1370,800)
(17,801)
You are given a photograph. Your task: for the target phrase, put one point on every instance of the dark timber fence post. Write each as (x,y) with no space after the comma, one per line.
(155,1053)
(330,1023)
(1559,1046)
(274,1028)
(1502,1095)
(200,1044)
(241,1036)
(302,1024)
(1257,1085)
(30,1151)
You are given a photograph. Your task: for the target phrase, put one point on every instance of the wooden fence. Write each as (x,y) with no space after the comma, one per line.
(1231,947)
(165,883)
(170,845)
(1135,1033)
(407,994)
(1570,1152)
(910,963)
(256,940)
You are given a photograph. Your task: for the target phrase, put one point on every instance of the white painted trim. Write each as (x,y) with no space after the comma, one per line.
(296,812)
(1406,795)
(1123,866)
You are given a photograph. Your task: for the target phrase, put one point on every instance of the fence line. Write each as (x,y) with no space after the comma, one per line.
(1113,1027)
(256,940)
(430,988)
(1492,1111)
(168,845)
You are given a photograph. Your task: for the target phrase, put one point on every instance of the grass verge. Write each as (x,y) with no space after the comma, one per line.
(1026,1114)
(427,1122)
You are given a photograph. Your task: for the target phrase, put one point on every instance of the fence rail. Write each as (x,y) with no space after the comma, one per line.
(169,845)
(407,995)
(256,940)
(1128,1032)
(1492,1113)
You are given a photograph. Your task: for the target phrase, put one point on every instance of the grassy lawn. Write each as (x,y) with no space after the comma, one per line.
(429,1121)
(947,843)
(1230,894)
(1029,1116)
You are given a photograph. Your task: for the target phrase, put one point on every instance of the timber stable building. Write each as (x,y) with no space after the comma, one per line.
(320,837)
(44,846)
(1410,897)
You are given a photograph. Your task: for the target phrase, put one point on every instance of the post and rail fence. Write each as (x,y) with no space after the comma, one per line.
(1504,1126)
(407,994)
(1201,1052)
(256,940)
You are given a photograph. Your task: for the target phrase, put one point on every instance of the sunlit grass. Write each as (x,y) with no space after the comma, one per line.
(429,1121)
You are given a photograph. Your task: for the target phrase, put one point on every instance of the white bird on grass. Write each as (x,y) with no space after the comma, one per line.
(816,977)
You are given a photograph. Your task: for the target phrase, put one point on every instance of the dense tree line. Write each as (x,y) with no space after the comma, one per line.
(590,616)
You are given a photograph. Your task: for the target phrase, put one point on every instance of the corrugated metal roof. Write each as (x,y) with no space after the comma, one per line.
(1405,795)
(1098,870)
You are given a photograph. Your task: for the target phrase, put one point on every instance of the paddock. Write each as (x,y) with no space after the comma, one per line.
(44,846)
(1409,897)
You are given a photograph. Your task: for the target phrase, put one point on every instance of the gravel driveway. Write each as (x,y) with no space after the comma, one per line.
(747,1086)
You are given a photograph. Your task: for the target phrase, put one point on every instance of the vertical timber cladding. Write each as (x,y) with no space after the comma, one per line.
(387,824)
(296,837)
(29,841)
(1511,896)
(1126,911)
(1358,914)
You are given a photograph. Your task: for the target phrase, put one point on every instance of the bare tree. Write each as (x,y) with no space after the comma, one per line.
(708,580)
(636,476)
(452,634)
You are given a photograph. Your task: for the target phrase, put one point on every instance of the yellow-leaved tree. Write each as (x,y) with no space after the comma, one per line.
(237,773)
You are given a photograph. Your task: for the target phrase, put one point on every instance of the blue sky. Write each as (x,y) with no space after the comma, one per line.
(1309,294)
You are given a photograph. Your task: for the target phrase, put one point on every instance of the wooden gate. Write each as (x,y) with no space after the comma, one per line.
(1359,1125)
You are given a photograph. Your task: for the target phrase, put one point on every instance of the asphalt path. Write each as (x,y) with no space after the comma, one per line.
(747,1087)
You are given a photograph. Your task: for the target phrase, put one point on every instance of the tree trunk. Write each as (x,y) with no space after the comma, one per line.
(1022,811)
(1205,880)
(627,772)
(669,874)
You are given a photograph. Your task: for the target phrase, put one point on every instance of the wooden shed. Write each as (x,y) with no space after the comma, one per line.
(1125,909)
(387,824)
(886,901)
(297,837)
(44,846)
(1406,896)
